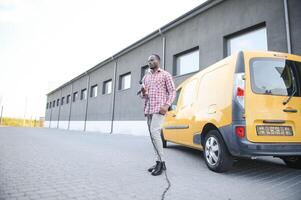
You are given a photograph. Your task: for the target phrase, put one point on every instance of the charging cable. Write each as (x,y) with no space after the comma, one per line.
(149,120)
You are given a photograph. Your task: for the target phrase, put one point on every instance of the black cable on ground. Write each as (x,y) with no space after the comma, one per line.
(166,177)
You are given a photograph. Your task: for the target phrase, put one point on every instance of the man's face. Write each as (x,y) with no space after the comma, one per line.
(153,62)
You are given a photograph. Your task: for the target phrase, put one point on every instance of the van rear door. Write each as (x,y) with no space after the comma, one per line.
(273,98)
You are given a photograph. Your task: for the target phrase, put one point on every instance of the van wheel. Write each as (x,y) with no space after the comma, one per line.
(292,161)
(164,142)
(216,154)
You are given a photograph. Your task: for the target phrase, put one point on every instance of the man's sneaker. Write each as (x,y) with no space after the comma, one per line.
(153,167)
(159,169)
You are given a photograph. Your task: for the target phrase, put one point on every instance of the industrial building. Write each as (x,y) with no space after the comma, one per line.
(104,98)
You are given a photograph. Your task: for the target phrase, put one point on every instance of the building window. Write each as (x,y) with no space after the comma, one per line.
(187,62)
(68,98)
(57,102)
(251,40)
(49,104)
(53,104)
(144,69)
(83,94)
(93,92)
(107,87)
(125,81)
(46,105)
(63,101)
(75,96)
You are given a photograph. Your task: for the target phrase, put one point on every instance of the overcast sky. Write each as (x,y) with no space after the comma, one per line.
(45,43)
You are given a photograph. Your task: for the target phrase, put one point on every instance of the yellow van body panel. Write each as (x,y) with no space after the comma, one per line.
(260,107)
(210,98)
(210,101)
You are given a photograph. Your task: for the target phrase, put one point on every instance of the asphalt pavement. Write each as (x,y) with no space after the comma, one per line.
(52,164)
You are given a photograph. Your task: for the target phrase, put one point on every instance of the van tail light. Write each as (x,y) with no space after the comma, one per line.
(239,89)
(240,92)
(240,131)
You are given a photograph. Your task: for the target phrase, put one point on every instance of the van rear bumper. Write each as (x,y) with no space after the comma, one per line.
(247,148)
(241,147)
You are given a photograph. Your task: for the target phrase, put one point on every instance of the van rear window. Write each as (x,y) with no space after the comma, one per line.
(275,76)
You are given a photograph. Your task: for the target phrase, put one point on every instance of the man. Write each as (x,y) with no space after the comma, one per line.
(158,92)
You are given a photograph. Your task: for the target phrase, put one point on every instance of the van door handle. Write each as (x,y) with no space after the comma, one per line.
(212,109)
(274,121)
(290,110)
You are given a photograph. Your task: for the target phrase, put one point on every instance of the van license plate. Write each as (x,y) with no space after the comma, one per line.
(264,130)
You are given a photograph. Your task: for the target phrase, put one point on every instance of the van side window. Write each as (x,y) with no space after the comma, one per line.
(189,94)
(175,102)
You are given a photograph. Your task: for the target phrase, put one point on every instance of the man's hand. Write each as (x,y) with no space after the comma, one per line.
(164,109)
(144,92)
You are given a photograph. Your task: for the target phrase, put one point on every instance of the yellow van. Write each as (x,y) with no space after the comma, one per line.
(245,105)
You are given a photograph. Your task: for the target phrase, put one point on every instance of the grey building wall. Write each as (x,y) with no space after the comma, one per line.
(48,110)
(128,106)
(78,109)
(55,109)
(65,108)
(100,107)
(294,9)
(208,30)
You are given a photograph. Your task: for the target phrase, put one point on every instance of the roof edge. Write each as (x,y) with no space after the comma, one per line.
(195,11)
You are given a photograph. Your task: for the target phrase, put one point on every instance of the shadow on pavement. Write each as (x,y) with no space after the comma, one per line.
(260,164)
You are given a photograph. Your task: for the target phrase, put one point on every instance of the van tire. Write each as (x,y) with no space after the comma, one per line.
(164,142)
(216,154)
(292,161)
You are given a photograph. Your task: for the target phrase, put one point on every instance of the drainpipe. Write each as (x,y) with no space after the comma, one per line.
(50,114)
(71,95)
(114,95)
(87,100)
(1,115)
(287,28)
(60,102)
(163,47)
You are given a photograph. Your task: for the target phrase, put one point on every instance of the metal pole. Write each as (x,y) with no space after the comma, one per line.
(58,120)
(25,111)
(164,43)
(1,115)
(87,95)
(287,28)
(163,48)
(50,115)
(71,100)
(114,95)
